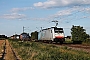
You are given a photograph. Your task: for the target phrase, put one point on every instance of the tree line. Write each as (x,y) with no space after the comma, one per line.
(3,36)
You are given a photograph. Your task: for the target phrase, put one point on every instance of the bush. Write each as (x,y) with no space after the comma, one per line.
(78,34)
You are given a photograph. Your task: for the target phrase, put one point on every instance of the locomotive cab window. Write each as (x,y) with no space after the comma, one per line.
(58,30)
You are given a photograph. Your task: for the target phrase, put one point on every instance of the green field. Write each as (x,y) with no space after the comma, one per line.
(42,51)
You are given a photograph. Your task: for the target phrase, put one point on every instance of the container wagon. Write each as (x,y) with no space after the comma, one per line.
(52,34)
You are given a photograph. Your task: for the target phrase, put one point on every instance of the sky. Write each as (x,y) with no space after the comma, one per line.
(34,14)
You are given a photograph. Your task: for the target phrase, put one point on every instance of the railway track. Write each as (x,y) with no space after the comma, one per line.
(16,58)
(82,47)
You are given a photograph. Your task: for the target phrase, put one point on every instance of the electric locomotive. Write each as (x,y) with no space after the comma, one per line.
(52,34)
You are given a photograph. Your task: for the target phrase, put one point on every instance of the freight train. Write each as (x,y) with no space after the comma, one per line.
(52,34)
(24,37)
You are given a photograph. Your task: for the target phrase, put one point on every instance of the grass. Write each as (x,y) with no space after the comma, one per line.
(41,51)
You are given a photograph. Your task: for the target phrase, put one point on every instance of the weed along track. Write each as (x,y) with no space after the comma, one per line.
(8,53)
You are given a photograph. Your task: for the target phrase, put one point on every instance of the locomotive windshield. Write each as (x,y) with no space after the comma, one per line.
(58,30)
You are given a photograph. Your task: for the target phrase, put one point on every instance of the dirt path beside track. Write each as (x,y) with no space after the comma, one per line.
(8,53)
